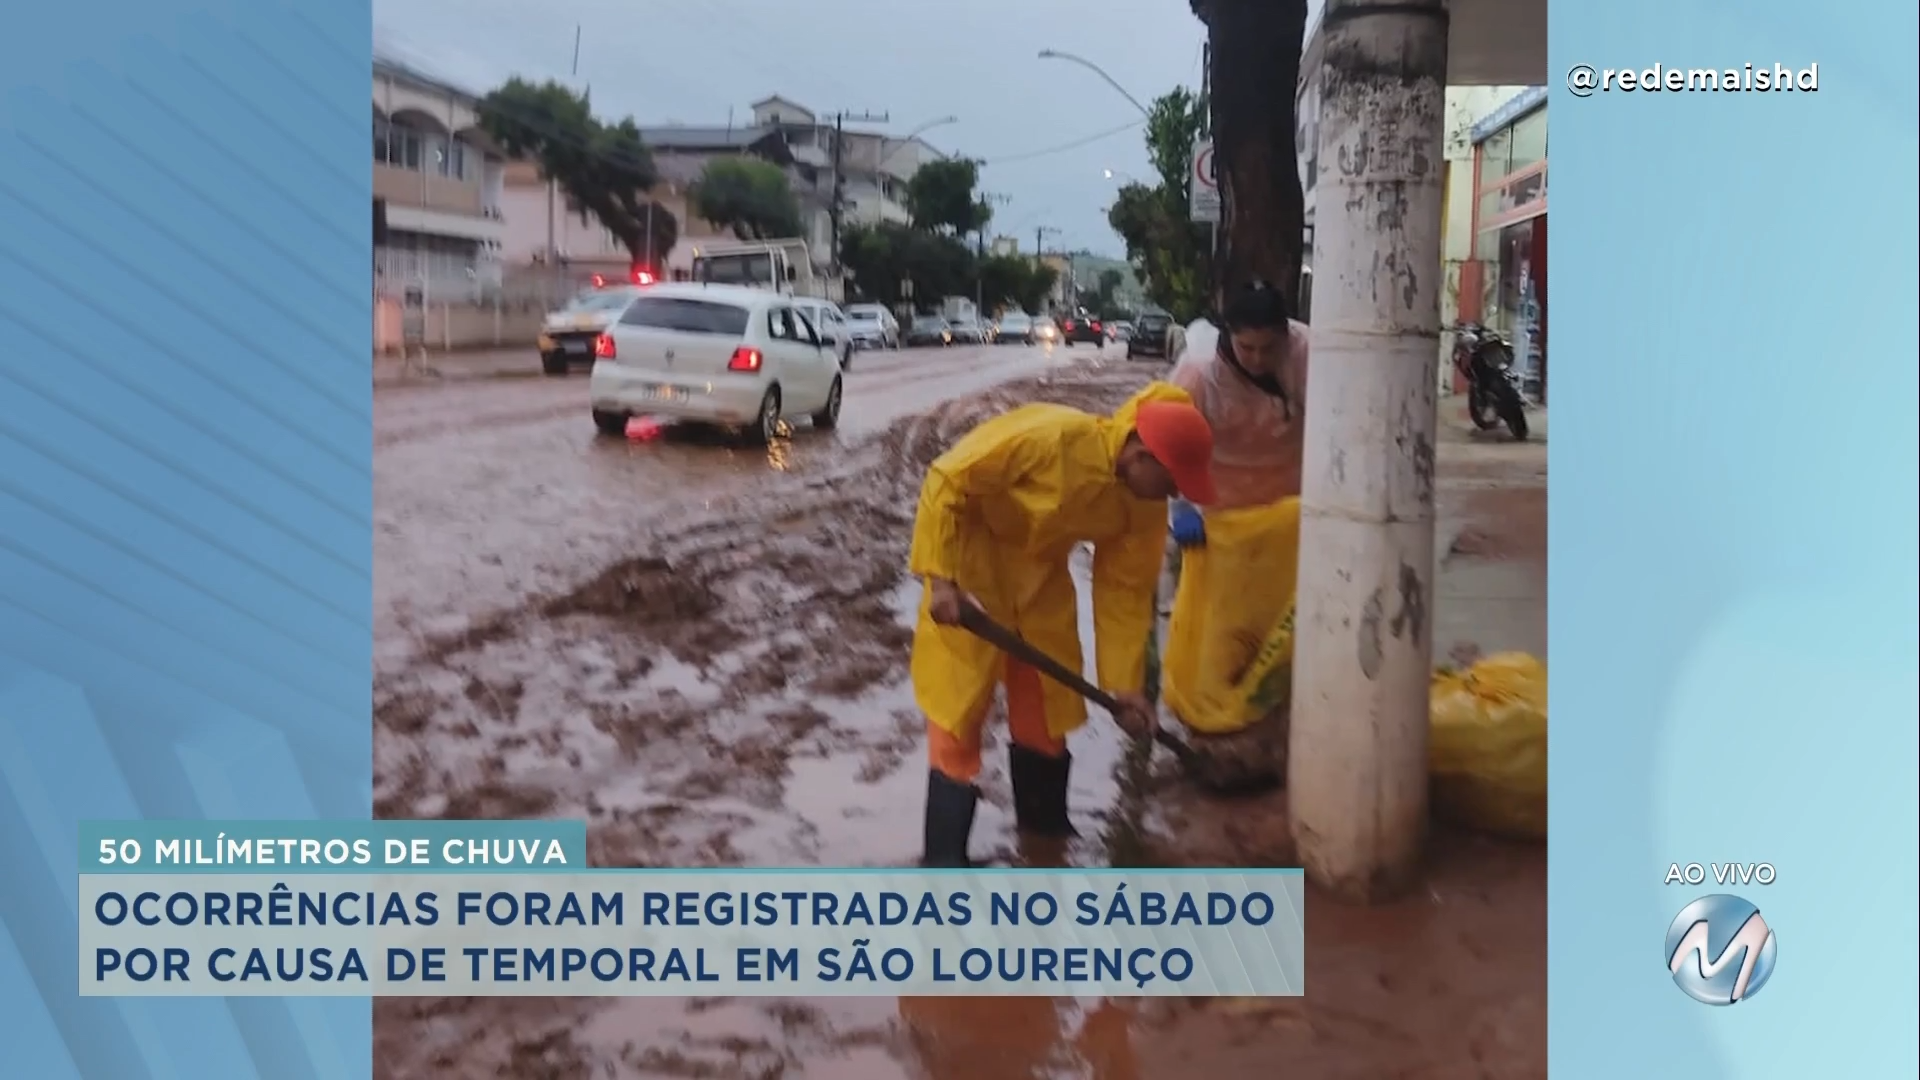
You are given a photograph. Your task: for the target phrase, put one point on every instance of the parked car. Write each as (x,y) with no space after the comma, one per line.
(1151,336)
(930,330)
(1082,328)
(830,323)
(968,331)
(872,326)
(1015,327)
(720,354)
(567,335)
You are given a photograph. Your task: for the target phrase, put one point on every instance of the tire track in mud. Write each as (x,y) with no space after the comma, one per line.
(667,699)
(780,605)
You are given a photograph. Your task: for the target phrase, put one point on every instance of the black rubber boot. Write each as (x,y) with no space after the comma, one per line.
(950,806)
(1040,792)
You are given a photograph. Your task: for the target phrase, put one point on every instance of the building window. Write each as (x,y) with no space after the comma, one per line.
(382,140)
(1496,156)
(1529,141)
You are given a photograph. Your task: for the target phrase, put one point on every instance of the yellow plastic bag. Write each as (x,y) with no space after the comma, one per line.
(1487,750)
(1229,652)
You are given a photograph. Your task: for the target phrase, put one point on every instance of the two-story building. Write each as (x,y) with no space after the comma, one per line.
(441,180)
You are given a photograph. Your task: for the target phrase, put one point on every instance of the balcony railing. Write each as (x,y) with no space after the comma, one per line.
(405,187)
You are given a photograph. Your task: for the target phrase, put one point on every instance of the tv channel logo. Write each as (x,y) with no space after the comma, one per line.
(1720,950)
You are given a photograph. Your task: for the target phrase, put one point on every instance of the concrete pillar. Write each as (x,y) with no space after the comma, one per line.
(1357,771)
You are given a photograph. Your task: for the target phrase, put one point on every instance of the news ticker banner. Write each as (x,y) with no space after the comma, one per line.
(510,909)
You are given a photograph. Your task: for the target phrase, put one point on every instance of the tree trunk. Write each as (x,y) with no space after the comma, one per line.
(1254,81)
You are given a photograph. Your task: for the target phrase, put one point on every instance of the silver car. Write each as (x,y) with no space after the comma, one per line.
(1015,328)
(872,326)
(830,323)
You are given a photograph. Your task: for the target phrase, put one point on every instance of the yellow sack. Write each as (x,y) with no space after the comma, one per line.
(1229,650)
(1487,749)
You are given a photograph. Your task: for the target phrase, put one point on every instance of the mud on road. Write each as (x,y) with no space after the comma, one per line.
(733,693)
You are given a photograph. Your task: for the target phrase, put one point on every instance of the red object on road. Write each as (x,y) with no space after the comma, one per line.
(642,428)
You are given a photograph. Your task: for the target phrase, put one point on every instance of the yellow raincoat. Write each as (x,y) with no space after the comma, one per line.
(999,514)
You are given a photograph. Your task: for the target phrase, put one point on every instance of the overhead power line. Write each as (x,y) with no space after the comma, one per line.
(1062,148)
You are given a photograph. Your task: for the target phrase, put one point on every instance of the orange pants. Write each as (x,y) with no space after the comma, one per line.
(957,757)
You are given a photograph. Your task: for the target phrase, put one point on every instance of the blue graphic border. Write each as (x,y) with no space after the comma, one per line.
(185,482)
(1733,534)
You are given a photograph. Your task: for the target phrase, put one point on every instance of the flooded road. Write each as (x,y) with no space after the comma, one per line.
(701,650)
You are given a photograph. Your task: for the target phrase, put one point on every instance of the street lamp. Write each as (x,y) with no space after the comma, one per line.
(1113,174)
(1050,54)
(910,136)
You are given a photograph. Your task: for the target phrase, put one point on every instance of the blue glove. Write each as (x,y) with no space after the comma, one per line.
(1189,529)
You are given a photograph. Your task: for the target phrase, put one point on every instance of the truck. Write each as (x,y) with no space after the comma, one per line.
(785,266)
(959,309)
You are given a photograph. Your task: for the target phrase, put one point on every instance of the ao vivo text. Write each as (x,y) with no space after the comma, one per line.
(1721,873)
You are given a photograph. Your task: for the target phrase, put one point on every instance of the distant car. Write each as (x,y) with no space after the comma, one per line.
(1045,331)
(1119,331)
(830,323)
(930,330)
(1076,329)
(968,330)
(567,335)
(1151,336)
(719,354)
(1016,327)
(872,326)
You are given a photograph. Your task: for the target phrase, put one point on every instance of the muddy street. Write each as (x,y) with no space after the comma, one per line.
(701,650)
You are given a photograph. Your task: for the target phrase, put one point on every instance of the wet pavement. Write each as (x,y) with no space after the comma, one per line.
(701,650)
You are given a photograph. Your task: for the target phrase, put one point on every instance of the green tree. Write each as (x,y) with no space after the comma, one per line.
(749,196)
(605,169)
(1167,248)
(1102,297)
(941,196)
(1255,46)
(880,257)
(1014,281)
(1037,286)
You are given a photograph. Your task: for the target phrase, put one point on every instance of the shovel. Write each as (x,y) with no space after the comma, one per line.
(978,623)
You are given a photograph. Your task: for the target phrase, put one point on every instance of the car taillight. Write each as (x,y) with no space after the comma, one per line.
(1069,324)
(603,348)
(643,277)
(744,359)
(1096,327)
(599,281)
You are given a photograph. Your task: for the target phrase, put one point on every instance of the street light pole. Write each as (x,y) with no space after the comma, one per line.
(1051,54)
(886,155)
(1357,767)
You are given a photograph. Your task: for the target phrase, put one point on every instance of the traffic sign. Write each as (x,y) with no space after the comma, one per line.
(1203,184)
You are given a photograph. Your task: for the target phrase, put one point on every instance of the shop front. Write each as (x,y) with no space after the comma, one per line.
(1505,286)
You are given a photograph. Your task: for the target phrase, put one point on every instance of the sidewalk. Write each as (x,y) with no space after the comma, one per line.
(464,364)
(1490,592)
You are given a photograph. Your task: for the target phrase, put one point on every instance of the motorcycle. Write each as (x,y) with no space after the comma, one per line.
(1485,360)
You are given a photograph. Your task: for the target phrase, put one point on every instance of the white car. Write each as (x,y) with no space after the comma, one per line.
(718,354)
(831,324)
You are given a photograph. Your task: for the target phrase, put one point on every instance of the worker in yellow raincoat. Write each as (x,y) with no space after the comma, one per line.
(999,515)
(1229,652)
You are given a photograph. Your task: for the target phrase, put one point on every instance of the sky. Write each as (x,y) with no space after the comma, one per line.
(915,60)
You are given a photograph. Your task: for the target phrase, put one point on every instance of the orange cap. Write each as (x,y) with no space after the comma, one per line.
(1180,438)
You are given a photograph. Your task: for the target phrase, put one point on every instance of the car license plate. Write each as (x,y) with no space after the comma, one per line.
(575,346)
(663,393)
